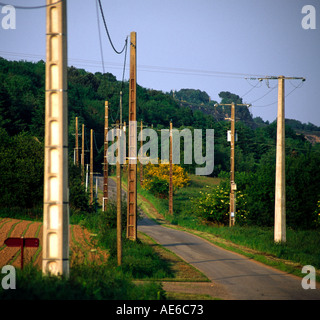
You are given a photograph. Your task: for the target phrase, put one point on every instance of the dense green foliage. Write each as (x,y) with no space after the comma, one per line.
(22,132)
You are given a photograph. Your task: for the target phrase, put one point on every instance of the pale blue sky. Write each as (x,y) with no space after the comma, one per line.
(228,39)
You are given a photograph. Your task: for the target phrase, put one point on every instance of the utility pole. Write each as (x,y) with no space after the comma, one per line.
(87,178)
(141,154)
(132,165)
(55,253)
(170,173)
(280,186)
(82,154)
(280,196)
(232,182)
(125,140)
(105,164)
(233,186)
(119,218)
(91,167)
(77,143)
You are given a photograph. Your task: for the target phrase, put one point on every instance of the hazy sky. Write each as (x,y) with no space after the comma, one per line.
(211,45)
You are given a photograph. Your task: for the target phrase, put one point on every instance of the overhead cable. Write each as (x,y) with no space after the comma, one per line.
(107,31)
(98,22)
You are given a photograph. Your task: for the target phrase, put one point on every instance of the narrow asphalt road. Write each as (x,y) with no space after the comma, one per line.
(241,277)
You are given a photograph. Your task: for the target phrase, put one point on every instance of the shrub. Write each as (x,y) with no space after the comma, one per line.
(156,178)
(213,205)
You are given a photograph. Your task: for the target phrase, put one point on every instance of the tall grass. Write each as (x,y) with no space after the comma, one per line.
(86,282)
(139,260)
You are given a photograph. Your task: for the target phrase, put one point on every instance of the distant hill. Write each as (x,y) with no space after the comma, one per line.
(198,100)
(308,130)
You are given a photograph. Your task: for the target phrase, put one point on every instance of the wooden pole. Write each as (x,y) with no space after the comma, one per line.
(55,248)
(170,173)
(125,141)
(132,165)
(91,167)
(119,218)
(232,183)
(77,143)
(82,154)
(105,165)
(141,154)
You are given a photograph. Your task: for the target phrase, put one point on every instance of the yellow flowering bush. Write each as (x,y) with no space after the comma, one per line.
(156,178)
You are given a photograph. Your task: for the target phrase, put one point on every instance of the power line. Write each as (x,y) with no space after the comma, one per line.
(107,31)
(264,95)
(124,63)
(95,142)
(34,7)
(253,87)
(270,104)
(98,22)
(141,68)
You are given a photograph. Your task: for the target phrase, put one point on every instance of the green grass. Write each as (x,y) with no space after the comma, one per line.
(301,248)
(86,282)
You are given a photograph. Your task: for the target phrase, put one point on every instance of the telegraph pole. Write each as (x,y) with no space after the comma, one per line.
(119,218)
(233,186)
(82,153)
(91,167)
(105,164)
(232,183)
(77,143)
(170,173)
(280,196)
(280,187)
(132,165)
(55,253)
(141,154)
(125,141)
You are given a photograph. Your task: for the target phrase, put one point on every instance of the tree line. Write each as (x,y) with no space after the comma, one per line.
(22,102)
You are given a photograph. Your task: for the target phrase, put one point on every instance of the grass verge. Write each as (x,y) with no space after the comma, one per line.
(301,248)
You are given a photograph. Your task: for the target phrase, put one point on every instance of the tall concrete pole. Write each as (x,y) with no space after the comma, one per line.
(280,187)
(280,192)
(55,252)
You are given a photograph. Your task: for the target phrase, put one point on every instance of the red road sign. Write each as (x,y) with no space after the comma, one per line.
(22,242)
(25,242)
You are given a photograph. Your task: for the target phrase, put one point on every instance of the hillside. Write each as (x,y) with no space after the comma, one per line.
(198,100)
(22,103)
